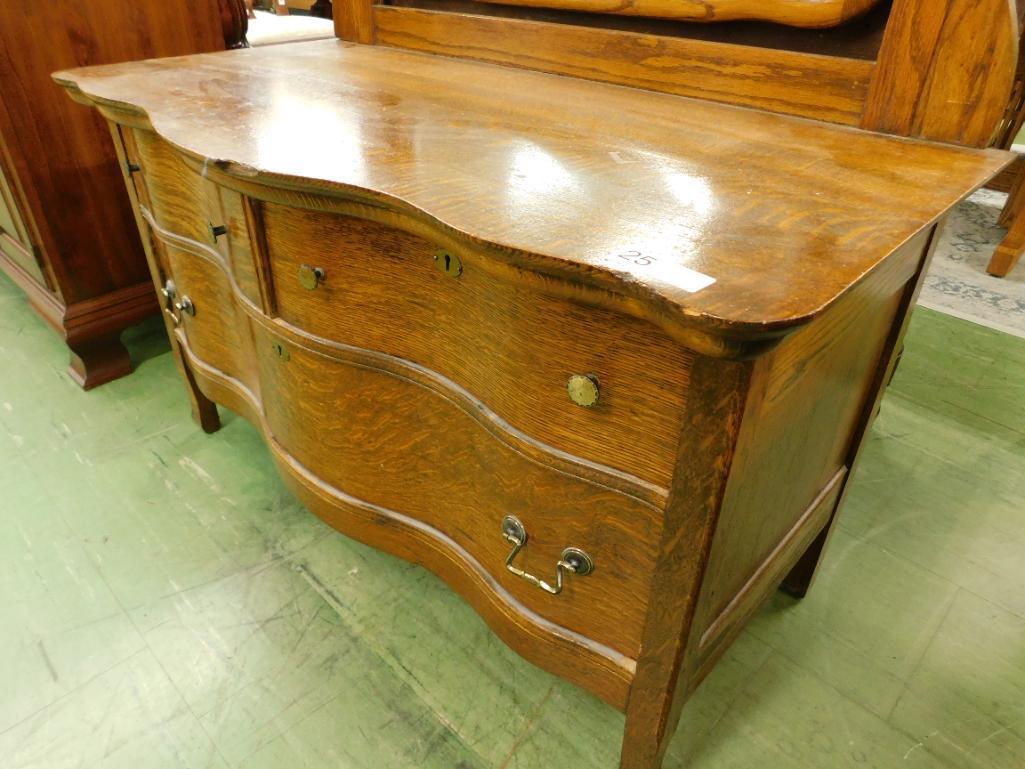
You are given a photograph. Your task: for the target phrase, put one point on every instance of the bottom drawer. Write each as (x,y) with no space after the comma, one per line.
(391,434)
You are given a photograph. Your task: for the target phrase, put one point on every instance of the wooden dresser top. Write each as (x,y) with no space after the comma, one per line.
(736,220)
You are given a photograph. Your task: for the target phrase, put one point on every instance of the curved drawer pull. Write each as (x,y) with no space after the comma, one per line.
(573,559)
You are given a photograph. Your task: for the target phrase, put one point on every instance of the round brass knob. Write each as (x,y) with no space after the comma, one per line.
(310,277)
(583,389)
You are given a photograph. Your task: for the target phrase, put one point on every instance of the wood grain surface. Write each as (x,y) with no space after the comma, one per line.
(615,188)
(809,390)
(410,461)
(797,13)
(945,70)
(382,291)
(397,436)
(830,88)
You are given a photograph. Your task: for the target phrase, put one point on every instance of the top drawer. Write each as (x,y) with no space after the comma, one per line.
(510,346)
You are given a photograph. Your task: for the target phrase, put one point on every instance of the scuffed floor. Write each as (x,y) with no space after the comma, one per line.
(164,602)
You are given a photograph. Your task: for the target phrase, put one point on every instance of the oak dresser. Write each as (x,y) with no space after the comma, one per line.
(532,332)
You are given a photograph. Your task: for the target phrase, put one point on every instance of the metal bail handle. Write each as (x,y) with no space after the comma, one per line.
(573,559)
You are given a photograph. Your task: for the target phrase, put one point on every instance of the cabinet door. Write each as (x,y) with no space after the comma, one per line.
(14,239)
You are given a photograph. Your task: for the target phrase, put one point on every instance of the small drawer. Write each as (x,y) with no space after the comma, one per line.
(531,357)
(215,327)
(186,205)
(181,201)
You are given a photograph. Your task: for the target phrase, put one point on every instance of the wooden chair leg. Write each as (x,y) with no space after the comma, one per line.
(1010,249)
(1015,195)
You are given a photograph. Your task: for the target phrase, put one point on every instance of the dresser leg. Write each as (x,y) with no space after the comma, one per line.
(648,731)
(800,579)
(204,410)
(97,360)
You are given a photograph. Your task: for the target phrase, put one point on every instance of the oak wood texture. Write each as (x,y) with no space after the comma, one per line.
(414,409)
(75,250)
(797,13)
(858,39)
(945,70)
(771,218)
(642,375)
(809,85)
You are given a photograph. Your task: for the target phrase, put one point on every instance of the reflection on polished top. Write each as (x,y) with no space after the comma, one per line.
(735,219)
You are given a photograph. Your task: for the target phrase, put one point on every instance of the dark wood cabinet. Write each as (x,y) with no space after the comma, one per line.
(67,231)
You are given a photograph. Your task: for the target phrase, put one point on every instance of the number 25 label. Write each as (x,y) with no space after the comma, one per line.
(636,257)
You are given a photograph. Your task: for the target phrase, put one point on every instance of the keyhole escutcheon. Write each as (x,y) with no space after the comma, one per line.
(448,263)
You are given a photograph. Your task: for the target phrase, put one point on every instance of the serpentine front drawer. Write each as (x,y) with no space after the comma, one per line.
(607,385)
(385,289)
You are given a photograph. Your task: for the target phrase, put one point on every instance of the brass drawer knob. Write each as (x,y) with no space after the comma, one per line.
(573,560)
(583,389)
(310,277)
(215,231)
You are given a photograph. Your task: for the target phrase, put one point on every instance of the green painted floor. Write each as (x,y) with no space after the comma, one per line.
(164,602)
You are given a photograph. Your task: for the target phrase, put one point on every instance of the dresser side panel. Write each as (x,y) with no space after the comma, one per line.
(807,405)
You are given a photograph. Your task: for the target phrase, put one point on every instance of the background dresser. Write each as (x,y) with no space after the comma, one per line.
(67,233)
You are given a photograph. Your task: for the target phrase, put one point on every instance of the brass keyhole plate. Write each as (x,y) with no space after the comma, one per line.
(280,350)
(448,263)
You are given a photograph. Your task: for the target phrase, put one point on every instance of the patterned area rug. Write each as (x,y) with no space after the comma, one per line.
(958,284)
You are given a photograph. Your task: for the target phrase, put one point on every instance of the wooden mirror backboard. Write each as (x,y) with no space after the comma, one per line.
(934,69)
(796,13)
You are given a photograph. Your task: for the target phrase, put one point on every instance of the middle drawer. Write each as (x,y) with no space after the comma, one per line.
(511,346)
